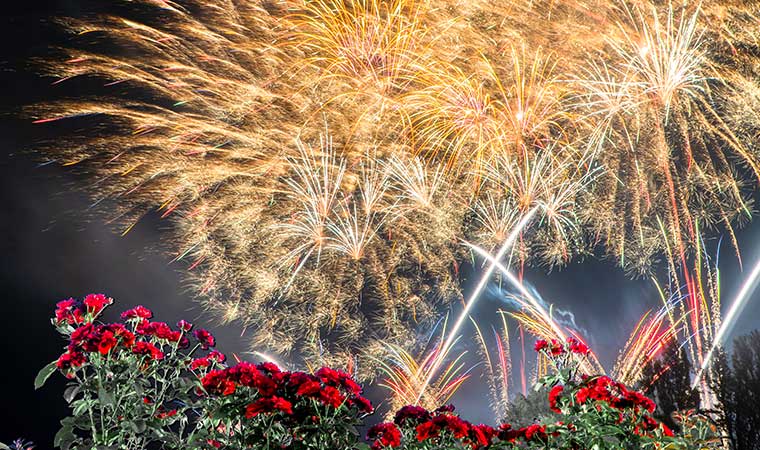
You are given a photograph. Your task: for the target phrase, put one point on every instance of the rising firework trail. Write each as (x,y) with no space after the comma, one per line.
(737,305)
(536,313)
(508,243)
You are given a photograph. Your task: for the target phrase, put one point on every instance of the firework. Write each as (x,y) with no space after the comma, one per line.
(454,333)
(408,377)
(499,368)
(649,337)
(734,310)
(320,161)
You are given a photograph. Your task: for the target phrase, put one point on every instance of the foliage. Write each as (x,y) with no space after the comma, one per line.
(737,388)
(527,409)
(668,381)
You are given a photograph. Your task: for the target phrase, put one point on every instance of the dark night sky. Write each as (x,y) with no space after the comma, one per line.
(52,247)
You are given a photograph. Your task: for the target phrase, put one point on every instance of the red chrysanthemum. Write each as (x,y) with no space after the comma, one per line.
(70,360)
(205,338)
(217,382)
(384,435)
(416,414)
(69,311)
(309,388)
(331,396)
(137,313)
(554,395)
(535,431)
(146,348)
(95,303)
(267,406)
(577,346)
(184,325)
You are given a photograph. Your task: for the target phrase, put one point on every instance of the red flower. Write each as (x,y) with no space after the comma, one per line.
(385,435)
(557,348)
(268,405)
(70,360)
(199,362)
(331,396)
(535,431)
(95,303)
(138,312)
(161,330)
(106,342)
(146,348)
(69,311)
(362,404)
(213,443)
(309,388)
(582,395)
(458,427)
(126,337)
(481,435)
(444,409)
(666,430)
(507,433)
(540,345)
(217,382)
(84,337)
(184,325)
(165,414)
(577,346)
(268,367)
(635,398)
(217,356)
(426,431)
(416,414)
(205,338)
(554,395)
(331,376)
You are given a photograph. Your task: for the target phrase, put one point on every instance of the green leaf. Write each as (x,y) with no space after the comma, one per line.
(80,406)
(138,426)
(44,374)
(4,447)
(65,436)
(104,397)
(71,392)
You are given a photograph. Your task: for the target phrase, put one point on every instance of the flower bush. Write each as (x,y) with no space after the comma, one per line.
(130,383)
(143,384)
(139,384)
(592,412)
(261,406)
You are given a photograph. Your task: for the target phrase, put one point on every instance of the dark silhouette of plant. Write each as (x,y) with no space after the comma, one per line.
(668,381)
(737,388)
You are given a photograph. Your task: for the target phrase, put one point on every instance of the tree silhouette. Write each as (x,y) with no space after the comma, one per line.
(737,388)
(668,381)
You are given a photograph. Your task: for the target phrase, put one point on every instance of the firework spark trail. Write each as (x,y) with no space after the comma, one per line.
(535,309)
(405,374)
(499,372)
(454,332)
(648,338)
(745,293)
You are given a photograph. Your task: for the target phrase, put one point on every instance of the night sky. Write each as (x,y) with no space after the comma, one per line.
(54,247)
